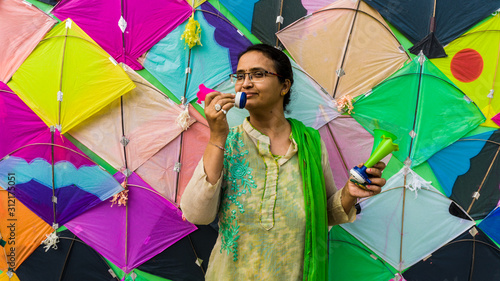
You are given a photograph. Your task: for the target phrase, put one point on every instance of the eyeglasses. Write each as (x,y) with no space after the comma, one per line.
(254,76)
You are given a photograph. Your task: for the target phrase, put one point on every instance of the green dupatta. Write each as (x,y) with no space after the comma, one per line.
(309,153)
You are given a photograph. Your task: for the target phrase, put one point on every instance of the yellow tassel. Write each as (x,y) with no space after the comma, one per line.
(192,33)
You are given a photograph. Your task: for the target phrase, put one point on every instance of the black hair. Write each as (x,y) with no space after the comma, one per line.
(281,64)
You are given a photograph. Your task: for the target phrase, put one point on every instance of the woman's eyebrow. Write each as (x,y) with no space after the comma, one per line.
(251,69)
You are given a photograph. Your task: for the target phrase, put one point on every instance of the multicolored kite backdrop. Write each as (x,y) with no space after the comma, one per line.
(100,130)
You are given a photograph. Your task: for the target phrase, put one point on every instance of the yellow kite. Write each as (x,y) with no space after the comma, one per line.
(472,64)
(68,77)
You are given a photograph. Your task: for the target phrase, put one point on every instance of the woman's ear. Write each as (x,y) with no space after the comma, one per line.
(286,87)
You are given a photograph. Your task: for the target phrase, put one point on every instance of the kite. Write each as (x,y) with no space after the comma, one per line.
(72,260)
(187,259)
(350,260)
(23,26)
(53,178)
(138,132)
(21,231)
(131,233)
(421,107)
(432,24)
(473,180)
(472,64)
(125,29)
(68,77)
(468,257)
(264,18)
(395,223)
(182,69)
(344,62)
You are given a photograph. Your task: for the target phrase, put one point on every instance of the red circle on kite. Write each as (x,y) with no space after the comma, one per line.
(466,65)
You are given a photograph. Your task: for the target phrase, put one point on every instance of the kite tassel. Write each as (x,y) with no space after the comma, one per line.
(344,104)
(51,241)
(192,33)
(184,118)
(121,198)
(415,183)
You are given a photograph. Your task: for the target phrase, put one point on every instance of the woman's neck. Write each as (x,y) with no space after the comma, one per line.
(271,125)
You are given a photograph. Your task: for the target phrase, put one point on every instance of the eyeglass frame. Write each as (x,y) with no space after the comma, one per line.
(234,79)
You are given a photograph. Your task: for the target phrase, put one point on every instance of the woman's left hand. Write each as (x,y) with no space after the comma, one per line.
(354,191)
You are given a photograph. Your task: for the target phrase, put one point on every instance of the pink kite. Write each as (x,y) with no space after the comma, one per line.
(22,26)
(52,177)
(496,119)
(348,145)
(139,132)
(125,30)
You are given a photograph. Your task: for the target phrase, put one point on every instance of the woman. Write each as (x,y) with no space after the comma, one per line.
(269,181)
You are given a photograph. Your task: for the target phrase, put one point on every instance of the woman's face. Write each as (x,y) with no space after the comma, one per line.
(264,94)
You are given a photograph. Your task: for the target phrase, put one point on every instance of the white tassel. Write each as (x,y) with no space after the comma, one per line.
(415,182)
(184,118)
(51,241)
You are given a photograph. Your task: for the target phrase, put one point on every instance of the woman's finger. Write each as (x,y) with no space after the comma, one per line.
(209,97)
(380,165)
(374,172)
(378,181)
(222,103)
(375,189)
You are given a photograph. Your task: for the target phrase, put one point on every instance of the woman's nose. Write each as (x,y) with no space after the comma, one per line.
(247,81)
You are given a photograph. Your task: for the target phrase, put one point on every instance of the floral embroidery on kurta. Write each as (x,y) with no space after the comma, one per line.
(240,180)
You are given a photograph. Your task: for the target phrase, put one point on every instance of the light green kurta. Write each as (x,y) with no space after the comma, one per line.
(261,209)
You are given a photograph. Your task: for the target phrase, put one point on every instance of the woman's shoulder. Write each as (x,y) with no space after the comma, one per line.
(236,129)
(301,128)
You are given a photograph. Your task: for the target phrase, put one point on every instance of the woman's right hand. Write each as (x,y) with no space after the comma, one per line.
(216,119)
(219,129)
